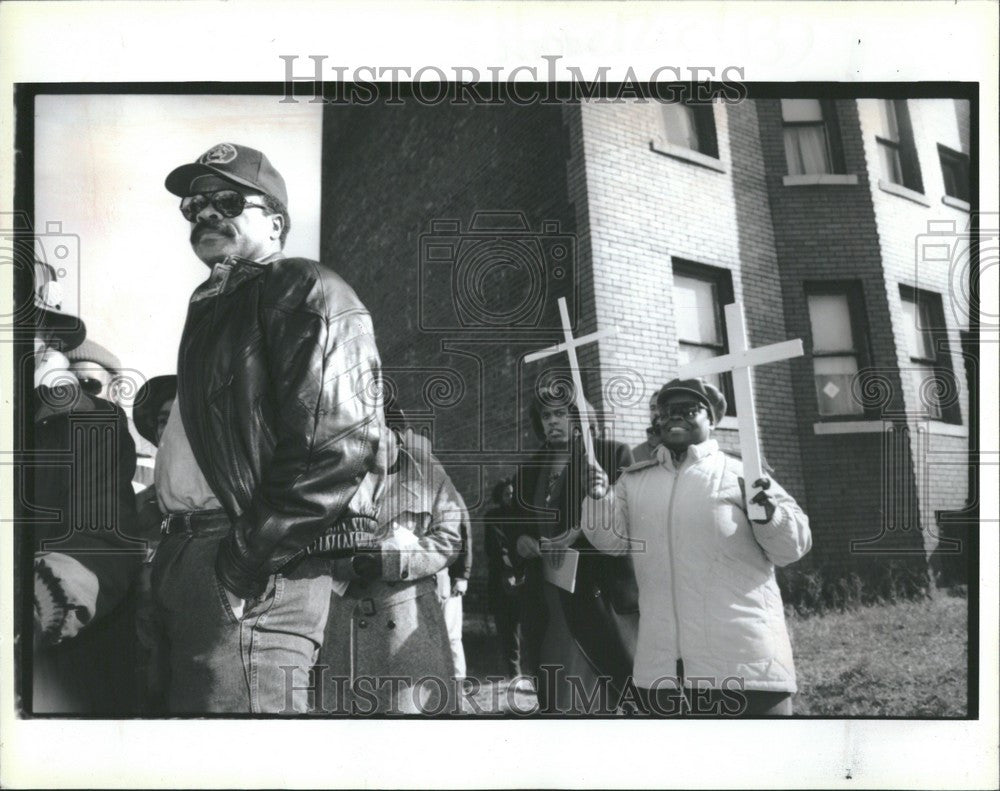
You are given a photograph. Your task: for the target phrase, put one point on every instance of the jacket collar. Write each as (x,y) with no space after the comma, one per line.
(695,453)
(229,274)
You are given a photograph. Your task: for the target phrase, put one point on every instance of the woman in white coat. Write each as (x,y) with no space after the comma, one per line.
(711,617)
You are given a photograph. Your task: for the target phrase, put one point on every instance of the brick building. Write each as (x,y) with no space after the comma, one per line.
(461,226)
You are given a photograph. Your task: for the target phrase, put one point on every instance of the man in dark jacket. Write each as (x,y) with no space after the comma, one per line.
(270,461)
(81,532)
(586,638)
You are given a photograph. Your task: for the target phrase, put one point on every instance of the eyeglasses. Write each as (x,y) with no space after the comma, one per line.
(686,411)
(91,386)
(229,203)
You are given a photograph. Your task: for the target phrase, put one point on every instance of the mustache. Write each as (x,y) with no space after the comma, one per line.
(216,227)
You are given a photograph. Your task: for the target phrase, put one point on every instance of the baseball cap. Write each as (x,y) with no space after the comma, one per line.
(241,165)
(701,390)
(50,322)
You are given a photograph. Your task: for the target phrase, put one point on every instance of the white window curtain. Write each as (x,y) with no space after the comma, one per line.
(678,120)
(806,150)
(835,363)
(806,147)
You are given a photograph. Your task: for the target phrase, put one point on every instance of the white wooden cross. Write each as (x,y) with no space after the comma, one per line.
(570,346)
(739,361)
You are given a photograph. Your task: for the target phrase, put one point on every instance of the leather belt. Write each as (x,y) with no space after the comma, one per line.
(194,522)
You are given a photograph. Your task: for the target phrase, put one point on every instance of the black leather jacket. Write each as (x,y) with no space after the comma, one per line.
(277,378)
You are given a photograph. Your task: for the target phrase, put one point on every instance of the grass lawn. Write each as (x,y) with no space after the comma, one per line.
(894,660)
(891,660)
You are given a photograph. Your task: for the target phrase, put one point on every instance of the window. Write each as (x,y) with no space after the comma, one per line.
(897,151)
(927,346)
(835,318)
(691,126)
(699,294)
(812,142)
(955,169)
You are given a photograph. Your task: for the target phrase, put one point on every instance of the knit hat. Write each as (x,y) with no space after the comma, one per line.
(92,352)
(700,390)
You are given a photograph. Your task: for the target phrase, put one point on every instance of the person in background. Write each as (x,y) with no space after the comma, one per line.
(453,583)
(100,374)
(587,637)
(386,628)
(86,555)
(153,403)
(502,586)
(646,449)
(712,618)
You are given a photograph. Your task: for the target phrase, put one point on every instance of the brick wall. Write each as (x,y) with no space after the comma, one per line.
(630,209)
(903,225)
(388,172)
(858,482)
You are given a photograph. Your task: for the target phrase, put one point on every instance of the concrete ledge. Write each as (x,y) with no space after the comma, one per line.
(850,427)
(945,429)
(728,422)
(903,192)
(956,203)
(661,146)
(821,180)
(878,426)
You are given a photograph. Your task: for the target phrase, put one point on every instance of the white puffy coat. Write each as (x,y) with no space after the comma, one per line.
(707,591)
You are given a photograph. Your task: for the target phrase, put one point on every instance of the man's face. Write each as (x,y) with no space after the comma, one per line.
(161,418)
(683,421)
(252,234)
(94,378)
(555,425)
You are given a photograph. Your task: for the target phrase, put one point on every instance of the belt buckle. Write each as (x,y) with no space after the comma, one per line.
(368,607)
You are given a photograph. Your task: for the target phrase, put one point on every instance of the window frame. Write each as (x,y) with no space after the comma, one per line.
(703,121)
(858,317)
(929,307)
(953,157)
(904,147)
(831,133)
(722,279)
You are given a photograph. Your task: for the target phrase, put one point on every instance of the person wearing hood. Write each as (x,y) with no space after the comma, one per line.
(581,644)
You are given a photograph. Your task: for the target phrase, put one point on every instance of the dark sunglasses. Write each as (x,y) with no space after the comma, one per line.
(91,386)
(686,411)
(229,203)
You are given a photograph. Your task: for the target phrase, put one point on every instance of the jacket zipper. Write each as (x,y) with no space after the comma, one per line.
(679,664)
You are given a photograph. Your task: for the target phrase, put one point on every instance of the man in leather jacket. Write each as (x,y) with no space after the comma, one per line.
(270,461)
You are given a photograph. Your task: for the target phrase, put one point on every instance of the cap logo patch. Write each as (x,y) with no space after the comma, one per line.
(219,155)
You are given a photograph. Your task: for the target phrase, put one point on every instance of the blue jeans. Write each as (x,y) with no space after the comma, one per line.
(217,663)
